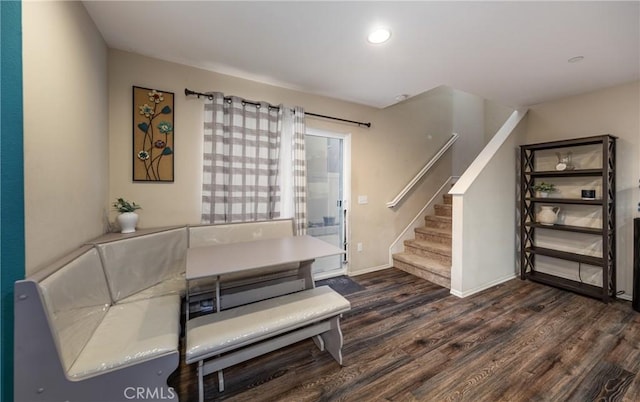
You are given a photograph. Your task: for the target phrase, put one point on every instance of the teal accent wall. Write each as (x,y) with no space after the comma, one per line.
(12,243)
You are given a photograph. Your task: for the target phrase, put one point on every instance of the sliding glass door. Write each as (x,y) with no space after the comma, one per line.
(326,197)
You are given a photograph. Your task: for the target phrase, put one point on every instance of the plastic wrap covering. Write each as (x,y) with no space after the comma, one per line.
(172,286)
(76,298)
(210,235)
(230,329)
(74,329)
(138,263)
(131,333)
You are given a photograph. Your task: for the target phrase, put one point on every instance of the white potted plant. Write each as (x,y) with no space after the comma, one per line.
(127,218)
(544,189)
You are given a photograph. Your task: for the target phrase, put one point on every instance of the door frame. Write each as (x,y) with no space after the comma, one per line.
(346,193)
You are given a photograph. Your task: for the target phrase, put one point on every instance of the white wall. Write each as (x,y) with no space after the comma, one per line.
(65,129)
(468,122)
(613,111)
(484,214)
(495,114)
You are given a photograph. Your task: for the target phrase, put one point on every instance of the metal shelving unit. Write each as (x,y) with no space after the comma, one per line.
(529,225)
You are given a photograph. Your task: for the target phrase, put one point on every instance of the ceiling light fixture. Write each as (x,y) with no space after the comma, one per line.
(379,35)
(576,59)
(402,97)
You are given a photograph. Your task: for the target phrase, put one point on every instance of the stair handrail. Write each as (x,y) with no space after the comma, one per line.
(422,172)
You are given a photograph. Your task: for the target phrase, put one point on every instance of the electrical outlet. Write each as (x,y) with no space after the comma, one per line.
(359,247)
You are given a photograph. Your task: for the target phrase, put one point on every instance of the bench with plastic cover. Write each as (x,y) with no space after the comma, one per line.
(106,317)
(220,340)
(73,342)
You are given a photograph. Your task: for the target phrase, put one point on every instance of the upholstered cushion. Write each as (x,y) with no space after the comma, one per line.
(131,333)
(138,263)
(210,235)
(230,329)
(76,299)
(176,285)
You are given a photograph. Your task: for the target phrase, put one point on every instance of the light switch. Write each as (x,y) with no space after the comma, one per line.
(363,199)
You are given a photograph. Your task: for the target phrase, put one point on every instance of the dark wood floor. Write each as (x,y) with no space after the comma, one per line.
(409,340)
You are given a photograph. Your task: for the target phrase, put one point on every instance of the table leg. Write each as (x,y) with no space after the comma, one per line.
(218,294)
(220,381)
(200,382)
(304,272)
(187,303)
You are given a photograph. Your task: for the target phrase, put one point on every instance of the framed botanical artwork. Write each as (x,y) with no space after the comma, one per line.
(153,135)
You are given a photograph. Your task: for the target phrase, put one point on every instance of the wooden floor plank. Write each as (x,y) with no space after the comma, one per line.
(605,382)
(633,392)
(507,337)
(409,340)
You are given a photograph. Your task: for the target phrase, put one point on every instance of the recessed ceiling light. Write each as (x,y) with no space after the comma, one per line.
(576,59)
(379,35)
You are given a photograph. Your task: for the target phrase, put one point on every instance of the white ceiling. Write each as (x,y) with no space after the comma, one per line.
(512,52)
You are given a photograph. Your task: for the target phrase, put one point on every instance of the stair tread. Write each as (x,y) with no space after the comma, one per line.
(443,209)
(440,218)
(444,232)
(424,263)
(440,248)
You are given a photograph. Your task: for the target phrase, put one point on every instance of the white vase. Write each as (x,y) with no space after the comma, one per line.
(548,215)
(127,222)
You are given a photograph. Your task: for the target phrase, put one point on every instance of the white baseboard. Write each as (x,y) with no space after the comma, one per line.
(625,296)
(370,269)
(486,286)
(331,274)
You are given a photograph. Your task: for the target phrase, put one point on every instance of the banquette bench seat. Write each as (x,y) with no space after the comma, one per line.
(73,342)
(217,341)
(104,321)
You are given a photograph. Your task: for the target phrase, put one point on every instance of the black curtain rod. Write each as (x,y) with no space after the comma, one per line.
(189,92)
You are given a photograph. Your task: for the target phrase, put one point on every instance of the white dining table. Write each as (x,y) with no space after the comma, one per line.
(223,259)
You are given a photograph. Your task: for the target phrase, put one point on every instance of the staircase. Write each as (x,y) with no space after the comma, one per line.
(429,254)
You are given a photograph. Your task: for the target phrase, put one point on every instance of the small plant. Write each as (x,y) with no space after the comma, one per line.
(544,187)
(122,205)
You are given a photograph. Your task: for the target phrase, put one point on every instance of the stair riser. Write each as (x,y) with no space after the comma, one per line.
(443,210)
(434,238)
(443,259)
(448,199)
(421,273)
(430,222)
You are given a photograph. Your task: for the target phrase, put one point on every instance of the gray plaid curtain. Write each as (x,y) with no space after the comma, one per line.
(299,173)
(240,166)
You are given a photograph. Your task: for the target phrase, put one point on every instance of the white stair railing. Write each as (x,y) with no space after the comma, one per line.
(422,172)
